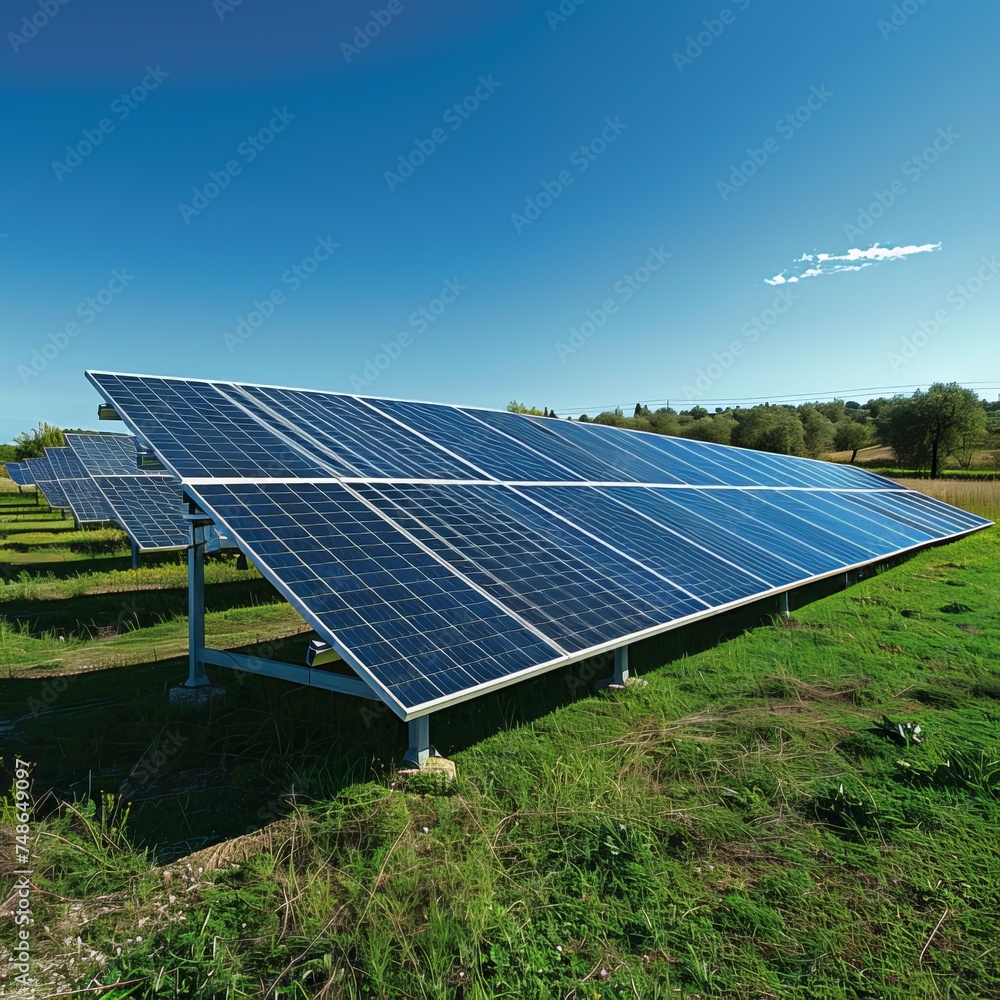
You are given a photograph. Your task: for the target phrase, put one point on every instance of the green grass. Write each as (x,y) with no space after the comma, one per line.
(752,823)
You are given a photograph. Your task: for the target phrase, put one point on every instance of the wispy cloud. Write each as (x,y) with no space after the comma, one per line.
(812,265)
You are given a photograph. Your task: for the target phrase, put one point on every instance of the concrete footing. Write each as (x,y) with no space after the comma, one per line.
(433,765)
(197,697)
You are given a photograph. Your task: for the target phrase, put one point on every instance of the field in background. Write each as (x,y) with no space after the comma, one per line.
(759,820)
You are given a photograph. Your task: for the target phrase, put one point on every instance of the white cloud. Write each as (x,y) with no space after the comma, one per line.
(828,263)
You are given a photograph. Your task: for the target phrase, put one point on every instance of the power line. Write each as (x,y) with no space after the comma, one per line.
(787,398)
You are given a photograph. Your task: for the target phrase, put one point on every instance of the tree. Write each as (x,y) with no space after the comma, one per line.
(952,415)
(852,435)
(925,428)
(717,429)
(769,428)
(615,419)
(32,444)
(817,428)
(515,407)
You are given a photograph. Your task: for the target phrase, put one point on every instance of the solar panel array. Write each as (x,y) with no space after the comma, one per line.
(40,469)
(20,474)
(149,507)
(86,502)
(446,551)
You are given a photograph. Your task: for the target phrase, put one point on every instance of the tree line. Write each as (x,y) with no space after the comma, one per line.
(924,430)
(945,422)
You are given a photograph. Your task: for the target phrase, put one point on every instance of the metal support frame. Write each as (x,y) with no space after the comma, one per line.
(135,556)
(783,604)
(621,665)
(279,670)
(196,606)
(420,746)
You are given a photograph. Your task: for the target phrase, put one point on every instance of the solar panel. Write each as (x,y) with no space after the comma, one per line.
(446,551)
(149,507)
(20,474)
(105,454)
(86,502)
(47,481)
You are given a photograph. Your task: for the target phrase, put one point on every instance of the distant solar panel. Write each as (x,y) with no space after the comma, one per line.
(86,502)
(446,551)
(40,469)
(149,507)
(105,454)
(20,474)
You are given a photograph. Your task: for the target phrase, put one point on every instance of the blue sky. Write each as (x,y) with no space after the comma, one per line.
(575,204)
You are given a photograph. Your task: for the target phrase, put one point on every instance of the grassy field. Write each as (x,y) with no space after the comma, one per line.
(763,819)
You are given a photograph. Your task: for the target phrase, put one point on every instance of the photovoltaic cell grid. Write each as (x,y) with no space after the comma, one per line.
(445,551)
(148,506)
(19,474)
(86,502)
(105,454)
(46,480)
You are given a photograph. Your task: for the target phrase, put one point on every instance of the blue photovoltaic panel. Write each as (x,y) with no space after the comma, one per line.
(200,431)
(718,507)
(20,474)
(86,502)
(149,508)
(727,542)
(360,437)
(841,509)
(105,454)
(417,629)
(446,551)
(656,449)
(497,456)
(533,434)
(573,589)
(47,481)
(712,578)
(640,464)
(939,518)
(794,527)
